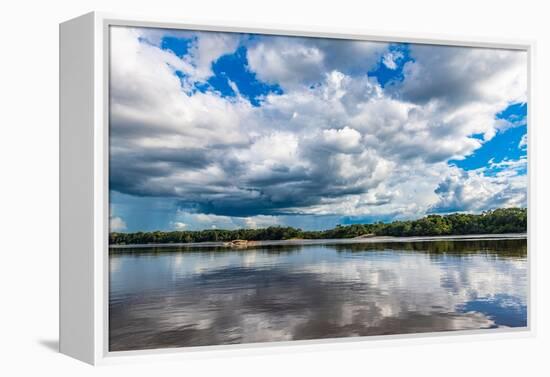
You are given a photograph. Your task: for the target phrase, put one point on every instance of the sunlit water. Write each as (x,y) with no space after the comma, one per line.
(204,296)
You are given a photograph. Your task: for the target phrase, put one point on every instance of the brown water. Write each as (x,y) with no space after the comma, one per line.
(180,297)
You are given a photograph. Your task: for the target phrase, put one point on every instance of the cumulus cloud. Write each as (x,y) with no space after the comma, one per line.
(178,225)
(473,191)
(261,221)
(208,47)
(334,142)
(343,140)
(467,87)
(459,75)
(204,47)
(295,61)
(196,221)
(117,224)
(287,61)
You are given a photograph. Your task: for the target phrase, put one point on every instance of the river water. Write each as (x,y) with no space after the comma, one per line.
(196,296)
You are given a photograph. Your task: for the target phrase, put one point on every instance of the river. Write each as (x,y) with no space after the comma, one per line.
(196,296)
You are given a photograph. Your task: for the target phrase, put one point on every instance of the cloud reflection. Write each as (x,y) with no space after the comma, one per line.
(205,298)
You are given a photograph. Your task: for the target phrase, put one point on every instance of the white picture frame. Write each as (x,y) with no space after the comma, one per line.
(84,204)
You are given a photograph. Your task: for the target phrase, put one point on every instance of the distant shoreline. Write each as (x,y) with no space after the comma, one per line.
(450,226)
(294,241)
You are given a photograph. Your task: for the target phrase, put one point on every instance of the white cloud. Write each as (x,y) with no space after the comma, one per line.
(295,61)
(390,59)
(204,47)
(511,165)
(473,191)
(261,221)
(460,75)
(208,47)
(196,221)
(117,224)
(284,60)
(178,225)
(523,142)
(342,140)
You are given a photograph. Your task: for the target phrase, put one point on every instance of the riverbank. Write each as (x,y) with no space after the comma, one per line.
(296,241)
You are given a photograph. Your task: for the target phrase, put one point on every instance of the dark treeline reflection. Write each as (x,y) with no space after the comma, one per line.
(512,248)
(270,249)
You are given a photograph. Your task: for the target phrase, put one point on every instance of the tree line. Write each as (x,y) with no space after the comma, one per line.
(498,221)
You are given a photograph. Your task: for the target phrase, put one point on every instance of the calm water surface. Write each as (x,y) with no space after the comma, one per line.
(178,297)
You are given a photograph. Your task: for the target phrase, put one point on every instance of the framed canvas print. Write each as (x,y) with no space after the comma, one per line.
(226,187)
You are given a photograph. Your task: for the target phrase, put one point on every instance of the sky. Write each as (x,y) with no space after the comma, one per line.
(216,130)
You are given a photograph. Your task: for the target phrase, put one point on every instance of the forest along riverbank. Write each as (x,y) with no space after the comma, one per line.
(498,221)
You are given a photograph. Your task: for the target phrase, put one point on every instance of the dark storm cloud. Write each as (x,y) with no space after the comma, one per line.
(133,172)
(327,166)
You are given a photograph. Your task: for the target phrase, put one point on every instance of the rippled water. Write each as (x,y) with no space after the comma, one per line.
(182,297)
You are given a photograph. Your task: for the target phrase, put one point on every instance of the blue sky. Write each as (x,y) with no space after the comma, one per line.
(505,145)
(221,130)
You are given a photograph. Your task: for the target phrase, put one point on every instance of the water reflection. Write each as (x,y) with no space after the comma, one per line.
(195,297)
